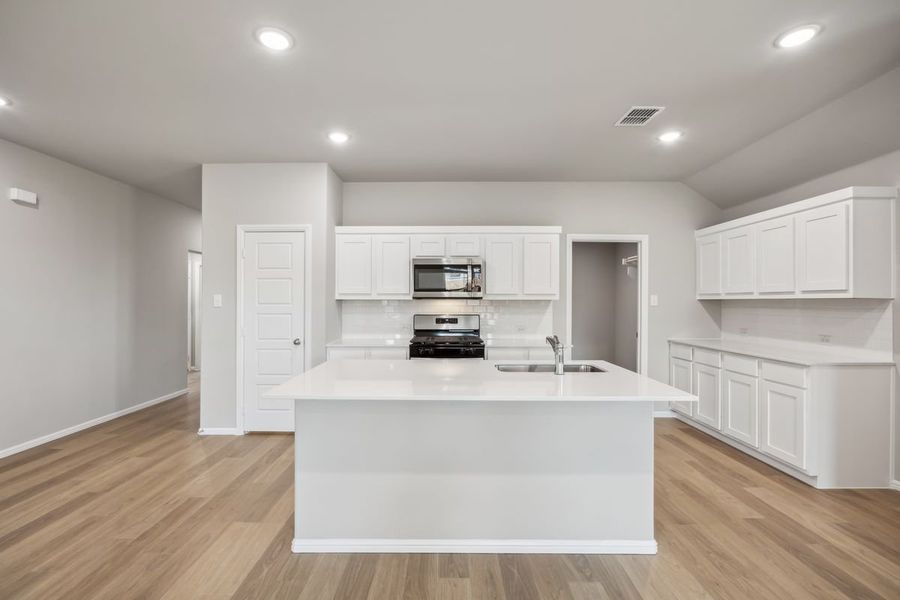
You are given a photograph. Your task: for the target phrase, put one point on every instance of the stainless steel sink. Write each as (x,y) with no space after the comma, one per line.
(548,369)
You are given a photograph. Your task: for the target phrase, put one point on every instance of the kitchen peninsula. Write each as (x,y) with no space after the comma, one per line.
(457,456)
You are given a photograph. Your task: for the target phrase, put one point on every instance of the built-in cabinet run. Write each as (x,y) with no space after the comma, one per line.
(828,425)
(374,263)
(837,245)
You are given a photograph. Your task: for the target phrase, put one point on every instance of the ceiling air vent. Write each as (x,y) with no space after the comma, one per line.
(639,115)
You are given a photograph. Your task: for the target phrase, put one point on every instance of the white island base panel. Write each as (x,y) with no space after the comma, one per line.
(456,476)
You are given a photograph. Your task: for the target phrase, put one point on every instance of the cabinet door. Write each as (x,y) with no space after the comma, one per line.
(353,263)
(823,249)
(428,245)
(783,417)
(340,353)
(391,264)
(386,354)
(506,353)
(740,407)
(503,265)
(707,388)
(709,265)
(540,265)
(463,245)
(776,256)
(739,261)
(680,377)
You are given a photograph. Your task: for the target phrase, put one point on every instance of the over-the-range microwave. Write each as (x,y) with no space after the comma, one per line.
(461,277)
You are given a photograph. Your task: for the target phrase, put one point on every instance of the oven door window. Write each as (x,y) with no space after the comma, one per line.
(441,278)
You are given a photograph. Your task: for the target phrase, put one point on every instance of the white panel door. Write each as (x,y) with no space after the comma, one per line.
(739,261)
(706,386)
(392,264)
(353,263)
(740,407)
(273,325)
(428,245)
(709,265)
(783,418)
(776,256)
(540,265)
(503,265)
(680,377)
(463,245)
(823,249)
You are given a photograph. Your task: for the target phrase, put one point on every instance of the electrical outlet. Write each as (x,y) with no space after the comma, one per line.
(743,330)
(825,338)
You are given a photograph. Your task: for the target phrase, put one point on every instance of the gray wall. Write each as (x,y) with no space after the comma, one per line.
(260,194)
(593,301)
(884,170)
(94,307)
(668,212)
(626,309)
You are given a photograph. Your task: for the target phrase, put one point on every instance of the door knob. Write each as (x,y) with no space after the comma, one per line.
(297,341)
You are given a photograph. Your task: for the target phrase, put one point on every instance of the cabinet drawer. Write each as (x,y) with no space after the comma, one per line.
(679,351)
(707,357)
(741,364)
(783,373)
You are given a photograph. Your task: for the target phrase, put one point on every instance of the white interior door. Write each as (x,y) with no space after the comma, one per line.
(273,324)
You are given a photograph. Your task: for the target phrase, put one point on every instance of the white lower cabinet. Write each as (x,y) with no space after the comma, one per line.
(740,407)
(783,415)
(372,353)
(680,377)
(706,386)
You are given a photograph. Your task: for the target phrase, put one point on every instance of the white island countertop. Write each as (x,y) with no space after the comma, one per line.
(469,380)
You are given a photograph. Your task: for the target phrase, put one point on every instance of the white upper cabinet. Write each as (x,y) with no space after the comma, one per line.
(463,245)
(428,245)
(374,263)
(709,265)
(775,256)
(823,249)
(540,265)
(391,265)
(837,245)
(739,261)
(503,265)
(353,265)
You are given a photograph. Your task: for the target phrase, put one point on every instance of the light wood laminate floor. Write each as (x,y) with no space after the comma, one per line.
(141,507)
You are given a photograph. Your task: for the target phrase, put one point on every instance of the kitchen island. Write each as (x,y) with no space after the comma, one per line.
(457,456)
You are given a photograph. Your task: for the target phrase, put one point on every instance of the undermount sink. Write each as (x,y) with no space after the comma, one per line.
(548,369)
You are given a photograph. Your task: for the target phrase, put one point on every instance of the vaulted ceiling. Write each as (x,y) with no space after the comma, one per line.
(467,90)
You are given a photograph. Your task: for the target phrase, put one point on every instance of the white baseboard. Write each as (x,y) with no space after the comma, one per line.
(219,431)
(663,414)
(301,546)
(895,485)
(87,424)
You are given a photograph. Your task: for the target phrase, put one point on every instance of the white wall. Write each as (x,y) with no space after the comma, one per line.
(883,170)
(668,212)
(246,194)
(94,303)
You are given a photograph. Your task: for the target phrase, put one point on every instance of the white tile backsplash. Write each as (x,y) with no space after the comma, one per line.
(854,323)
(499,318)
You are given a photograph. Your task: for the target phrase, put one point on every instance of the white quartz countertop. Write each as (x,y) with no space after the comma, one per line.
(468,380)
(376,342)
(809,357)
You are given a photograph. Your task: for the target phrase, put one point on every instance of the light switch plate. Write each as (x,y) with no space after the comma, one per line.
(217,300)
(654,300)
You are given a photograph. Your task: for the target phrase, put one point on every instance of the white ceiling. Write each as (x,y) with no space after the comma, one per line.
(462,90)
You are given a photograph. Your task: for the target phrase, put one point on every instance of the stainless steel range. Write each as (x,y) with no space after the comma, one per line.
(446,336)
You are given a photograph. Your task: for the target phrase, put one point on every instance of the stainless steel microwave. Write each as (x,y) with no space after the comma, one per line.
(461,277)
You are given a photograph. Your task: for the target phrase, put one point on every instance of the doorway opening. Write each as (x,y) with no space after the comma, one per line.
(195,283)
(606,304)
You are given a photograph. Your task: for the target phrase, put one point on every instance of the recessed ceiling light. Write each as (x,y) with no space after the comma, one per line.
(670,136)
(797,36)
(274,38)
(5,102)
(338,137)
